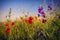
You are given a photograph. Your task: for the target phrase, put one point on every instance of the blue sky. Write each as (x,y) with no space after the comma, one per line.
(18,6)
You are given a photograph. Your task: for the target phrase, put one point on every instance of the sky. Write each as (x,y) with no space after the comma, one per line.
(20,6)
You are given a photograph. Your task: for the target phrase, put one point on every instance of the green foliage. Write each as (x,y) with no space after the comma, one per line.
(50,30)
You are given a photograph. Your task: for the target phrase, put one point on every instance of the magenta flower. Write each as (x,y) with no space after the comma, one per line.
(43,15)
(43,21)
(38,15)
(49,7)
(40,9)
(42,12)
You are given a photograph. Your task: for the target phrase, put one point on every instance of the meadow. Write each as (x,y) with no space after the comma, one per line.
(32,27)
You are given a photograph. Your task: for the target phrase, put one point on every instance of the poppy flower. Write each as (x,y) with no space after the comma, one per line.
(6,25)
(12,23)
(43,21)
(30,18)
(30,21)
(7,30)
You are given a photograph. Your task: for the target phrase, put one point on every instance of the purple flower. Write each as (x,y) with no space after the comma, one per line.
(43,15)
(49,7)
(43,21)
(40,9)
(38,15)
(42,12)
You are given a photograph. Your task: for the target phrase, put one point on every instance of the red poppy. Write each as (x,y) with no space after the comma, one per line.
(6,25)
(30,21)
(30,18)
(8,30)
(13,23)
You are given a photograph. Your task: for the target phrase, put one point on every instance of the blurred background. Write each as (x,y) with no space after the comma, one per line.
(21,7)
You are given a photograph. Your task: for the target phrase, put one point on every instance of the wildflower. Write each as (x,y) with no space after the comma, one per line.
(43,15)
(43,21)
(6,25)
(40,9)
(49,7)
(38,15)
(30,21)
(30,18)
(42,12)
(12,23)
(8,30)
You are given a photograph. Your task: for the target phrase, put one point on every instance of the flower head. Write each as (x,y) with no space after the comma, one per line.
(30,21)
(43,15)
(12,23)
(8,30)
(43,21)
(30,18)
(40,9)
(38,15)
(49,7)
(42,12)
(6,25)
